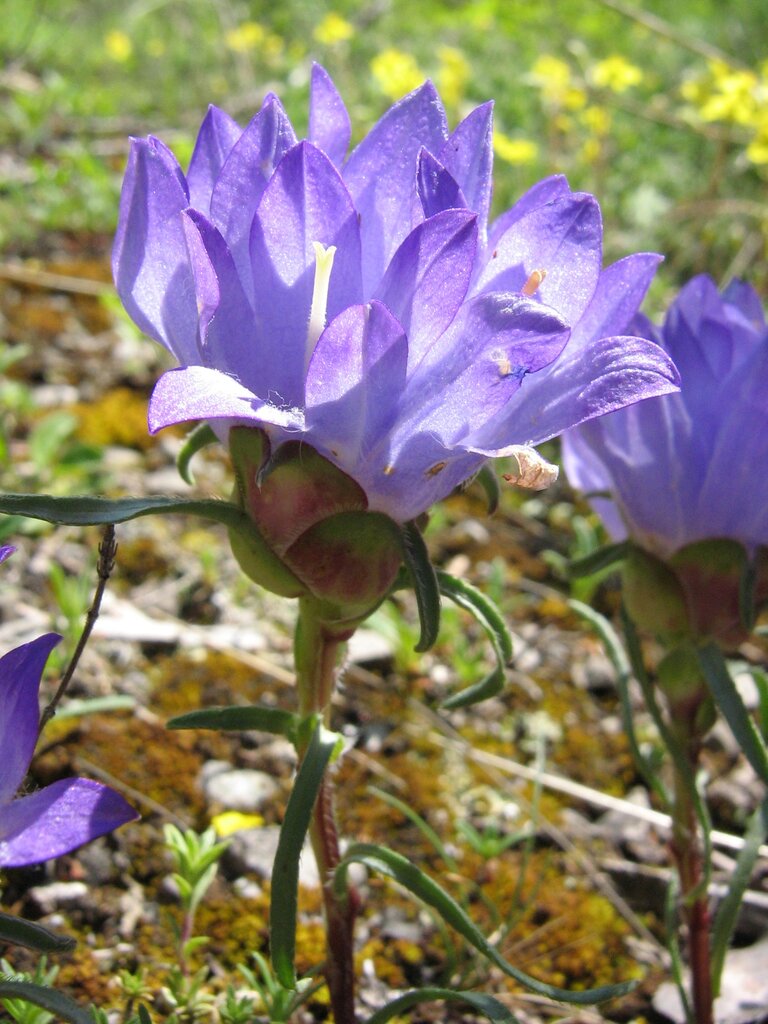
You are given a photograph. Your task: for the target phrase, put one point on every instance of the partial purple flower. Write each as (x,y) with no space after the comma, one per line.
(62,816)
(694,465)
(362,304)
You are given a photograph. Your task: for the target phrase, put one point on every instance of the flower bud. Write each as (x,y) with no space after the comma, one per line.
(312,535)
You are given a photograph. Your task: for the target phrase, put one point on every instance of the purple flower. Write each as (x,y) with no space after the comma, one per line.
(62,816)
(694,465)
(363,305)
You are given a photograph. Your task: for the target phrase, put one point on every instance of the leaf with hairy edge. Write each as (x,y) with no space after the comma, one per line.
(202,435)
(238,719)
(487,1005)
(87,511)
(595,561)
(729,701)
(424,582)
(285,872)
(489,617)
(395,866)
(61,1006)
(32,936)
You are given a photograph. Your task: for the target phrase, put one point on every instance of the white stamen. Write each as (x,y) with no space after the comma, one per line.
(323,267)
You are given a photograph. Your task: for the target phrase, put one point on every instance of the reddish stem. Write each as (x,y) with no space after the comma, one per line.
(316,653)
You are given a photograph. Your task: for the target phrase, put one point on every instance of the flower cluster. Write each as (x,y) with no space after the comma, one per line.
(64,815)
(361,304)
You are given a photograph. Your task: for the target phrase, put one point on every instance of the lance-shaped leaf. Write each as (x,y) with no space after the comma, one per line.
(18,932)
(56,1003)
(238,719)
(285,872)
(424,582)
(491,1008)
(404,872)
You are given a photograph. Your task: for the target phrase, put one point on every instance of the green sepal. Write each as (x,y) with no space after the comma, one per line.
(285,871)
(18,932)
(348,563)
(653,596)
(423,579)
(712,574)
(199,437)
(491,1008)
(260,563)
(490,618)
(728,699)
(404,872)
(603,558)
(61,1006)
(239,719)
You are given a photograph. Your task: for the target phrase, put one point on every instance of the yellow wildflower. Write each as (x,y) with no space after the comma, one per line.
(556,82)
(247,36)
(452,75)
(514,151)
(396,72)
(597,119)
(333,29)
(616,73)
(118,45)
(229,822)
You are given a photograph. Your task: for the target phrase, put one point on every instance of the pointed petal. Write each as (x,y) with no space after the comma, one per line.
(329,125)
(244,177)
(437,189)
(354,383)
(58,819)
(587,472)
(215,141)
(381,175)
(6,551)
(620,290)
(612,373)
(149,260)
(198,393)
(20,672)
(543,192)
(428,277)
(563,239)
(306,201)
(227,322)
(468,157)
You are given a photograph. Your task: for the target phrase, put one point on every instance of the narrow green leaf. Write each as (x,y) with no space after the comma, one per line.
(238,719)
(285,872)
(487,479)
(487,1005)
(423,826)
(32,935)
(424,582)
(144,1017)
(595,561)
(199,437)
(78,707)
(395,866)
(728,911)
(729,701)
(623,669)
(88,511)
(490,618)
(61,1006)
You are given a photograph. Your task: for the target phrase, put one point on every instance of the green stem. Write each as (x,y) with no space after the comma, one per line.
(316,653)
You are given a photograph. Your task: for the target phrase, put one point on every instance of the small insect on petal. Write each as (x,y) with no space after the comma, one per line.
(534,473)
(434,470)
(534,282)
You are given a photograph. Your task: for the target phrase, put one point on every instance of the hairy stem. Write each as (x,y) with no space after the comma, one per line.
(316,652)
(687,849)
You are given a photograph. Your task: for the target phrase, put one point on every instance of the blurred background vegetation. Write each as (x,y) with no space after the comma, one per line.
(660,110)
